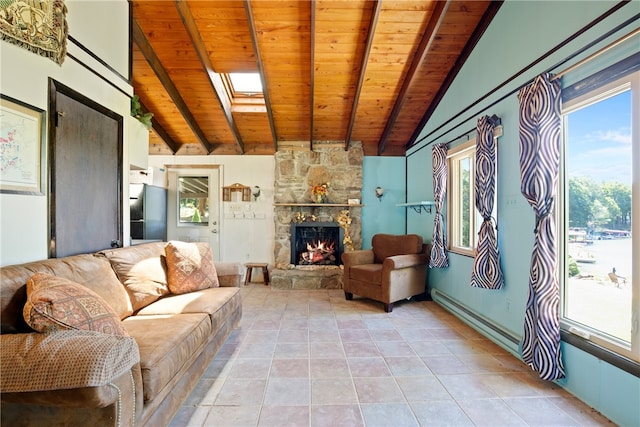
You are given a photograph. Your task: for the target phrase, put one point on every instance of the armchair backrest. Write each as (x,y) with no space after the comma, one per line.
(386,245)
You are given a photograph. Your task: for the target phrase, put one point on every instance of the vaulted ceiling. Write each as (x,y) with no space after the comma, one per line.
(332,71)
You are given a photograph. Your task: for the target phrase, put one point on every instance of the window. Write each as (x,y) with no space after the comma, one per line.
(463,218)
(193,200)
(243,85)
(600,295)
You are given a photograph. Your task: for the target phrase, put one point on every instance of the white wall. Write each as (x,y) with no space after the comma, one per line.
(243,240)
(25,77)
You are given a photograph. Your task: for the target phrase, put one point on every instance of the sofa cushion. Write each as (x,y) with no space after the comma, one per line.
(371,273)
(190,267)
(386,245)
(142,270)
(55,303)
(218,303)
(88,270)
(168,344)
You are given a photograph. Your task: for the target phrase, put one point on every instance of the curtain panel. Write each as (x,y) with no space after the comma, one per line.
(439,258)
(487,272)
(539,163)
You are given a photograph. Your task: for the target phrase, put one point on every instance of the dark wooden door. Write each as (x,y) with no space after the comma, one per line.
(85,174)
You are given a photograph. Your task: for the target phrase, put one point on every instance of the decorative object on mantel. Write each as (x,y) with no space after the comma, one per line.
(38,26)
(344,220)
(319,192)
(237,187)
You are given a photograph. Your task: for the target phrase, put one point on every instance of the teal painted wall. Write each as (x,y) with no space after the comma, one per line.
(520,33)
(382,215)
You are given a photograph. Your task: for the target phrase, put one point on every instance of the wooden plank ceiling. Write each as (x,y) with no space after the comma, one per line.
(332,71)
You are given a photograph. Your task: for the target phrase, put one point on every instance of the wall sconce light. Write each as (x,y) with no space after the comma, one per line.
(379,193)
(256,192)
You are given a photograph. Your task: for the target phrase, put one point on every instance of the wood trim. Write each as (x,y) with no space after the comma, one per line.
(319,205)
(98,59)
(363,68)
(482,26)
(147,50)
(439,10)
(214,78)
(630,366)
(56,87)
(162,133)
(265,87)
(612,73)
(312,67)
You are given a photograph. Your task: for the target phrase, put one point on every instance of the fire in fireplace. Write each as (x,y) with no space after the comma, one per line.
(316,243)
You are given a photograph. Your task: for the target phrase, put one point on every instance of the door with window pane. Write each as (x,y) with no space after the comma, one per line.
(194,207)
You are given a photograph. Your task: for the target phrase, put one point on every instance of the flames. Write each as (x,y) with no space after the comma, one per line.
(318,252)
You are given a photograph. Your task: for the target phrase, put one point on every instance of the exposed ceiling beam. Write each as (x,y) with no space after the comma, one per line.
(312,71)
(429,35)
(377,6)
(214,78)
(263,79)
(161,133)
(154,62)
(457,66)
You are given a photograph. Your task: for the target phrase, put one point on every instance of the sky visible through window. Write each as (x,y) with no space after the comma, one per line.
(600,140)
(246,82)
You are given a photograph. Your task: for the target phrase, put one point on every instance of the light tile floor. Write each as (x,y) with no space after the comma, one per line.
(311,358)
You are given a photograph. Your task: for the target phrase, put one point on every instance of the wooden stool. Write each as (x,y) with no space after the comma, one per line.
(250,266)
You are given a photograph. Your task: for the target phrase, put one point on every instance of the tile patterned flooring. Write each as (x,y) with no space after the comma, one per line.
(311,358)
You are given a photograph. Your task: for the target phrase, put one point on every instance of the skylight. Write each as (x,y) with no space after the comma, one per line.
(245,83)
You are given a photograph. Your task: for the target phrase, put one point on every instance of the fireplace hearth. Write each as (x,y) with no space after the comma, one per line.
(316,243)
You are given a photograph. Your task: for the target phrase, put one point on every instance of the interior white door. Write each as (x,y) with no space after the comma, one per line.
(193,211)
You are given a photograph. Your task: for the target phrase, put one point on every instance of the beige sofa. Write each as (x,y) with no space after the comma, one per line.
(394,269)
(87,378)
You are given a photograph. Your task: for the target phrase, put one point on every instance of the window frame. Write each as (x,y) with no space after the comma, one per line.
(241,96)
(454,203)
(587,337)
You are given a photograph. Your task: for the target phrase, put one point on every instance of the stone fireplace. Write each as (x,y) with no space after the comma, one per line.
(296,172)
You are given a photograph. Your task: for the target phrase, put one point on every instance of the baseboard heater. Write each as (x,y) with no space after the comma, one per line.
(506,339)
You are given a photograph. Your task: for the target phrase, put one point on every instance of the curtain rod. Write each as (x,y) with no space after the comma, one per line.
(565,60)
(596,54)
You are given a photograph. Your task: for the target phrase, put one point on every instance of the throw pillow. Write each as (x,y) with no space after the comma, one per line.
(190,267)
(56,303)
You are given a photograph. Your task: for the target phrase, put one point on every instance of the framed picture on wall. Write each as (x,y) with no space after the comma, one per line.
(22,147)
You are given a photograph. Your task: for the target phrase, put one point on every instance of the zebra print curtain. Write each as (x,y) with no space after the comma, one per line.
(486,265)
(439,257)
(539,163)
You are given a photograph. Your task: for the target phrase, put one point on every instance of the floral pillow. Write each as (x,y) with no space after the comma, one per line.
(56,303)
(190,267)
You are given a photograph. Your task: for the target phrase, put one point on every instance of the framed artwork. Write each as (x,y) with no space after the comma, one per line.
(22,147)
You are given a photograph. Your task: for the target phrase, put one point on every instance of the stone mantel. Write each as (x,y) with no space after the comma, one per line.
(320,205)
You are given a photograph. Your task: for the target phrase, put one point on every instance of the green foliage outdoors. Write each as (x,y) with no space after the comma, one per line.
(606,205)
(573,267)
(196,216)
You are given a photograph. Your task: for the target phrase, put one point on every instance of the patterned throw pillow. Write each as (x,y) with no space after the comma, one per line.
(190,267)
(55,303)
